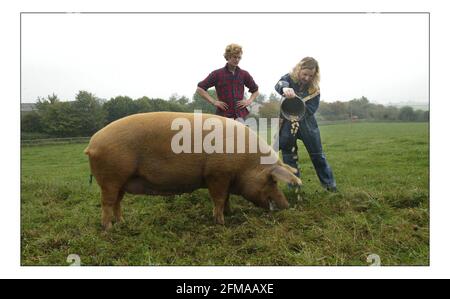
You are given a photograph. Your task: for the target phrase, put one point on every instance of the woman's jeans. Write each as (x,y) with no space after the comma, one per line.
(310,135)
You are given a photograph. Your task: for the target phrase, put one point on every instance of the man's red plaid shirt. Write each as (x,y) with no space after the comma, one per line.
(230,89)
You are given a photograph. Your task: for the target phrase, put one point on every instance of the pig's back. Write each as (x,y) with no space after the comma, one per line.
(138,132)
(144,140)
(142,144)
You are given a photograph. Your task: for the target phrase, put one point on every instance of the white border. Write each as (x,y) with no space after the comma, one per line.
(10,217)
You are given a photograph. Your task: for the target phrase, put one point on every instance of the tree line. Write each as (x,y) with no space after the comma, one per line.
(87,114)
(356,109)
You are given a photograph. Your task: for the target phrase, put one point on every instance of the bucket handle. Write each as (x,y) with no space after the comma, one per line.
(307,98)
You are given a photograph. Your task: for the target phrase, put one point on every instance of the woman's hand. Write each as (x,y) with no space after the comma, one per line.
(221,105)
(288,93)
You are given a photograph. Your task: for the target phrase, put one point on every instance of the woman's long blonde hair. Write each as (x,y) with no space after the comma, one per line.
(311,64)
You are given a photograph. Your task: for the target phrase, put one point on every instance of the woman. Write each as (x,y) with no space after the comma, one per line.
(303,81)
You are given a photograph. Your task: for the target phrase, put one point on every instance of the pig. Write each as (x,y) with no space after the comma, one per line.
(135,155)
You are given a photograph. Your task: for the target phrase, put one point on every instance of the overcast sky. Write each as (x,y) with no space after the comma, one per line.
(381,56)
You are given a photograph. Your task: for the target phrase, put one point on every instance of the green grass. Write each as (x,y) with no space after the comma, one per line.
(382,208)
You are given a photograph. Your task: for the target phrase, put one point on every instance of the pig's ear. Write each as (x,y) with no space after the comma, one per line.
(283,174)
(291,169)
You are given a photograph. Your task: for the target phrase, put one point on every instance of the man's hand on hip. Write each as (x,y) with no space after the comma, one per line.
(242,104)
(221,105)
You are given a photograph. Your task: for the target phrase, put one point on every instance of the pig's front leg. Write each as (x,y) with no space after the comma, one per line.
(219,192)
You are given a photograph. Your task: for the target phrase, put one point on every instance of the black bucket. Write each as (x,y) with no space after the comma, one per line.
(293,109)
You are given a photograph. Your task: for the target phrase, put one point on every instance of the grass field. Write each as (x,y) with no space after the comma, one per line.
(382,208)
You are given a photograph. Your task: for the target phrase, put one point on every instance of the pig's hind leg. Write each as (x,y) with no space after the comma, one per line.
(117,207)
(109,200)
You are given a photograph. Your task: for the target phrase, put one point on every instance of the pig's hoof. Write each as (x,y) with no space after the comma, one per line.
(218,217)
(220,220)
(107,226)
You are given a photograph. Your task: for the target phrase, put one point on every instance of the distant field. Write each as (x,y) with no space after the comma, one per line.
(382,208)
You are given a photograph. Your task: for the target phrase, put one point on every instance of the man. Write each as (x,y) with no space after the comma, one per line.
(229,82)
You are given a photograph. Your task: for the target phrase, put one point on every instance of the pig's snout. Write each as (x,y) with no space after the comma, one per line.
(280,204)
(272,206)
